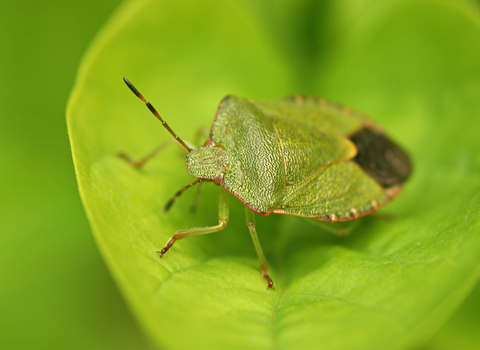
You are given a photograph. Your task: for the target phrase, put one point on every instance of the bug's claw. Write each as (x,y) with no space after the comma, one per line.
(167,247)
(269,282)
(162,252)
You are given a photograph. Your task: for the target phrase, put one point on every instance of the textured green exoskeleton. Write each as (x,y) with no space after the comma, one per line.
(301,156)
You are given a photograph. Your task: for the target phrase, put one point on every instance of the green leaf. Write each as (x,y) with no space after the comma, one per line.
(461,330)
(412,65)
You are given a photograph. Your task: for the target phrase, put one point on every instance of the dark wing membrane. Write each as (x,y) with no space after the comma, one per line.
(383,160)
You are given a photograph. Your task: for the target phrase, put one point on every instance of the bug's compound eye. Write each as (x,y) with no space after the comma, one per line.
(218,180)
(209,143)
(225,167)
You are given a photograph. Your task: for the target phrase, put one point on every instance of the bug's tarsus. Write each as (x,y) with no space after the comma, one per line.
(155,113)
(171,201)
(167,247)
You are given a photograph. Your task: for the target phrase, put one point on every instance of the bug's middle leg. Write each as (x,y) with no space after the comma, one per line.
(253,231)
(223,216)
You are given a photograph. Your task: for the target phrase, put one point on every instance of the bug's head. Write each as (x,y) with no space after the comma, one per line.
(208,162)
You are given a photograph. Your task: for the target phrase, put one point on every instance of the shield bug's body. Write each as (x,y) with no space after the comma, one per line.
(300,156)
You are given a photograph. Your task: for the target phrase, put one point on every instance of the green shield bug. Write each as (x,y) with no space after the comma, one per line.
(300,156)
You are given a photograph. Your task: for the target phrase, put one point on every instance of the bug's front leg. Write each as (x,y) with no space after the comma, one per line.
(140,163)
(223,216)
(253,231)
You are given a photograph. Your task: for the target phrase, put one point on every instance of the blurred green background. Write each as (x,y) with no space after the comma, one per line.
(55,290)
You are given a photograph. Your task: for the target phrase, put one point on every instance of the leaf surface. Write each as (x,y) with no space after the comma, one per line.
(411,65)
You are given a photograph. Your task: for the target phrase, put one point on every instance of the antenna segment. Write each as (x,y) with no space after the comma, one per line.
(155,113)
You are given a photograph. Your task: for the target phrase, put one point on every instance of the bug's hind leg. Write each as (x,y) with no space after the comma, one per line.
(223,216)
(263,262)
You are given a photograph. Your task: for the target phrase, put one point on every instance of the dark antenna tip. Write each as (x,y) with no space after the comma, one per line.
(133,88)
(129,84)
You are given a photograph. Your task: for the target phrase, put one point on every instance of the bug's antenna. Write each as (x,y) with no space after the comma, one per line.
(155,113)
(171,201)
